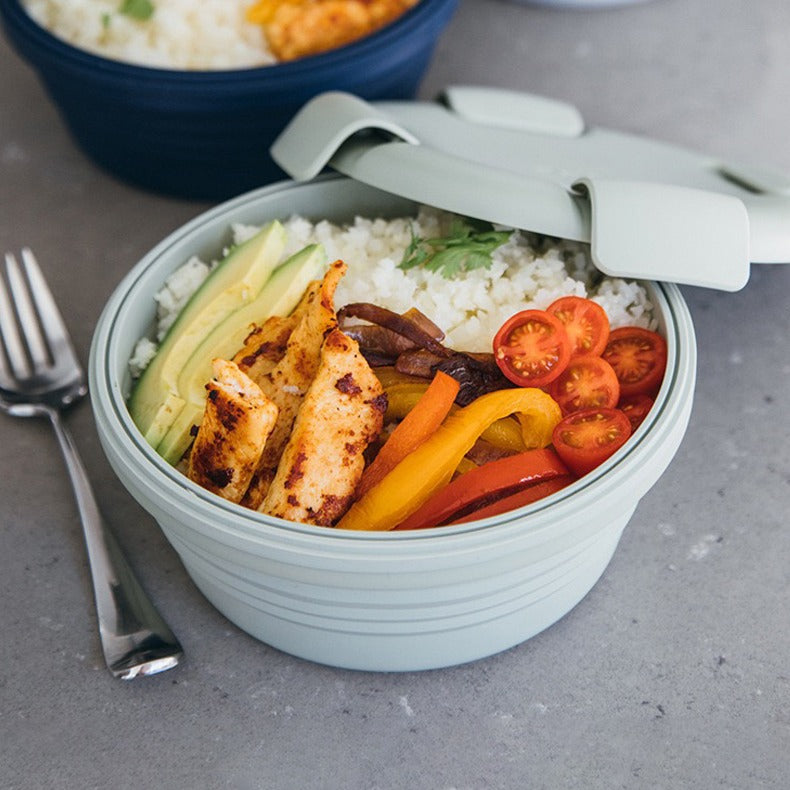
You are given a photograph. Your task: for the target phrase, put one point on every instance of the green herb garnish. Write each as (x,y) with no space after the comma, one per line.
(469,246)
(137,9)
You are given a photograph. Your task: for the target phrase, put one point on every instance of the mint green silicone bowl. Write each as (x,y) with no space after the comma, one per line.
(371,601)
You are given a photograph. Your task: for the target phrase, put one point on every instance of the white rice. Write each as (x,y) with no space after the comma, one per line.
(526,273)
(175,293)
(180,34)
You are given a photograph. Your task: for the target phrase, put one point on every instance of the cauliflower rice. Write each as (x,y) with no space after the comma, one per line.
(181,34)
(470,307)
(527,272)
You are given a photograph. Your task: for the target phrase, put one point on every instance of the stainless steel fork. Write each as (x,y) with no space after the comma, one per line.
(39,376)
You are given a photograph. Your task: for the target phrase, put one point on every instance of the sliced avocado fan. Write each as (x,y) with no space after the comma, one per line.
(156,400)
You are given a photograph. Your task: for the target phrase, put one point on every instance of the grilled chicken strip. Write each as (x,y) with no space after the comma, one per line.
(265,346)
(267,343)
(287,381)
(342,413)
(237,420)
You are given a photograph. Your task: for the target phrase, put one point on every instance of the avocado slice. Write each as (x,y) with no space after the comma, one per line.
(278,297)
(156,401)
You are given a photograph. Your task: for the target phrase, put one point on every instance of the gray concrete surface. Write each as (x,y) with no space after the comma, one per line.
(672,673)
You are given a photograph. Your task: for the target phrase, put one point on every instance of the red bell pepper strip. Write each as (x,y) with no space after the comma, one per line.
(485,485)
(526,497)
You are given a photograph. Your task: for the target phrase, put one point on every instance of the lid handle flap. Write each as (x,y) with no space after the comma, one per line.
(304,148)
(508,109)
(664,232)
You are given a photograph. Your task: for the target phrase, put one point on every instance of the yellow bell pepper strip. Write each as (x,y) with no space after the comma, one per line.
(425,470)
(465,465)
(389,376)
(420,423)
(403,397)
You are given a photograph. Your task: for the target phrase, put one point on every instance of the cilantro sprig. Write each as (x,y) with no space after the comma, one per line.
(137,9)
(468,246)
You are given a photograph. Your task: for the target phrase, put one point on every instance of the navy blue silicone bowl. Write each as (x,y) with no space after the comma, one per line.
(205,135)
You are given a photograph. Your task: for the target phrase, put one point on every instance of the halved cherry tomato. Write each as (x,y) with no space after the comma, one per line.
(532,348)
(585,322)
(585,439)
(529,495)
(587,383)
(639,358)
(636,408)
(484,485)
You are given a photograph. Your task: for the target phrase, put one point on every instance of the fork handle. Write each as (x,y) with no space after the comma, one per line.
(134,637)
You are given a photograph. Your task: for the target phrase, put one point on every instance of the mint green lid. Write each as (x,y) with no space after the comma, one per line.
(650,210)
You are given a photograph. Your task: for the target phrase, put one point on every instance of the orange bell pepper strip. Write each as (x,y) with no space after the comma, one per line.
(482,486)
(425,470)
(423,420)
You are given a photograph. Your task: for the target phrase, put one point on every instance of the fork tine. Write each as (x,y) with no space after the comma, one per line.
(18,365)
(54,326)
(26,313)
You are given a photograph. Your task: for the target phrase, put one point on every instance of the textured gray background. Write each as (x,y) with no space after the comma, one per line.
(672,673)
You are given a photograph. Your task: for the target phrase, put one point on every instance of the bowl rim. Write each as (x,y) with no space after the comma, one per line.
(109,403)
(16,16)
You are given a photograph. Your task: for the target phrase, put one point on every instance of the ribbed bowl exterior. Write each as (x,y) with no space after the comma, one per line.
(206,134)
(371,601)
